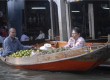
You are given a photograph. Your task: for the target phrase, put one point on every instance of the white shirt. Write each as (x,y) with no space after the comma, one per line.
(24,38)
(75,44)
(41,36)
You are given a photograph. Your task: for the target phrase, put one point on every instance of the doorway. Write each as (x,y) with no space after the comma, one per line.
(37,17)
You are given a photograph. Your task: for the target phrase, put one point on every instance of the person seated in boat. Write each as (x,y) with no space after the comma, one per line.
(11,44)
(76,41)
(24,37)
(41,35)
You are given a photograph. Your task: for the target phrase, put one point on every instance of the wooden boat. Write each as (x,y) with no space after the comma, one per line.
(70,60)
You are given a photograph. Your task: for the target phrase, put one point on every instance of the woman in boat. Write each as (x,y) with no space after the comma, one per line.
(76,41)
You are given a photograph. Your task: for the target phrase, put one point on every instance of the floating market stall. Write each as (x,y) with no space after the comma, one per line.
(59,59)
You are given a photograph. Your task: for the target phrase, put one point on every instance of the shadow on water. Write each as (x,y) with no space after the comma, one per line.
(10,73)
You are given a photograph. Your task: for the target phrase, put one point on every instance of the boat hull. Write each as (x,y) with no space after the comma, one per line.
(68,65)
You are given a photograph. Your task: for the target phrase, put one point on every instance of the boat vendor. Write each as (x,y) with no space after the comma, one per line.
(76,41)
(11,44)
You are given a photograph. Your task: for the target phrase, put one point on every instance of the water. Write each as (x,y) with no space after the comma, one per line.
(10,73)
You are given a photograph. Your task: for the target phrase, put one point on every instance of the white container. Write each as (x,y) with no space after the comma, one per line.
(46,47)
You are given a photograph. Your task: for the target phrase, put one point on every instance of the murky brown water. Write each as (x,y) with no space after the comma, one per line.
(9,73)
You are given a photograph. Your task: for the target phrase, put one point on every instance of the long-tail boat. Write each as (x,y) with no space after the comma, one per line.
(71,60)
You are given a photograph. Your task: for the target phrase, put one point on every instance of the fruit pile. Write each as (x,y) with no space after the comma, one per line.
(21,53)
(24,53)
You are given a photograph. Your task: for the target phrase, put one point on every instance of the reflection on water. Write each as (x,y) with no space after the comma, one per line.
(9,73)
